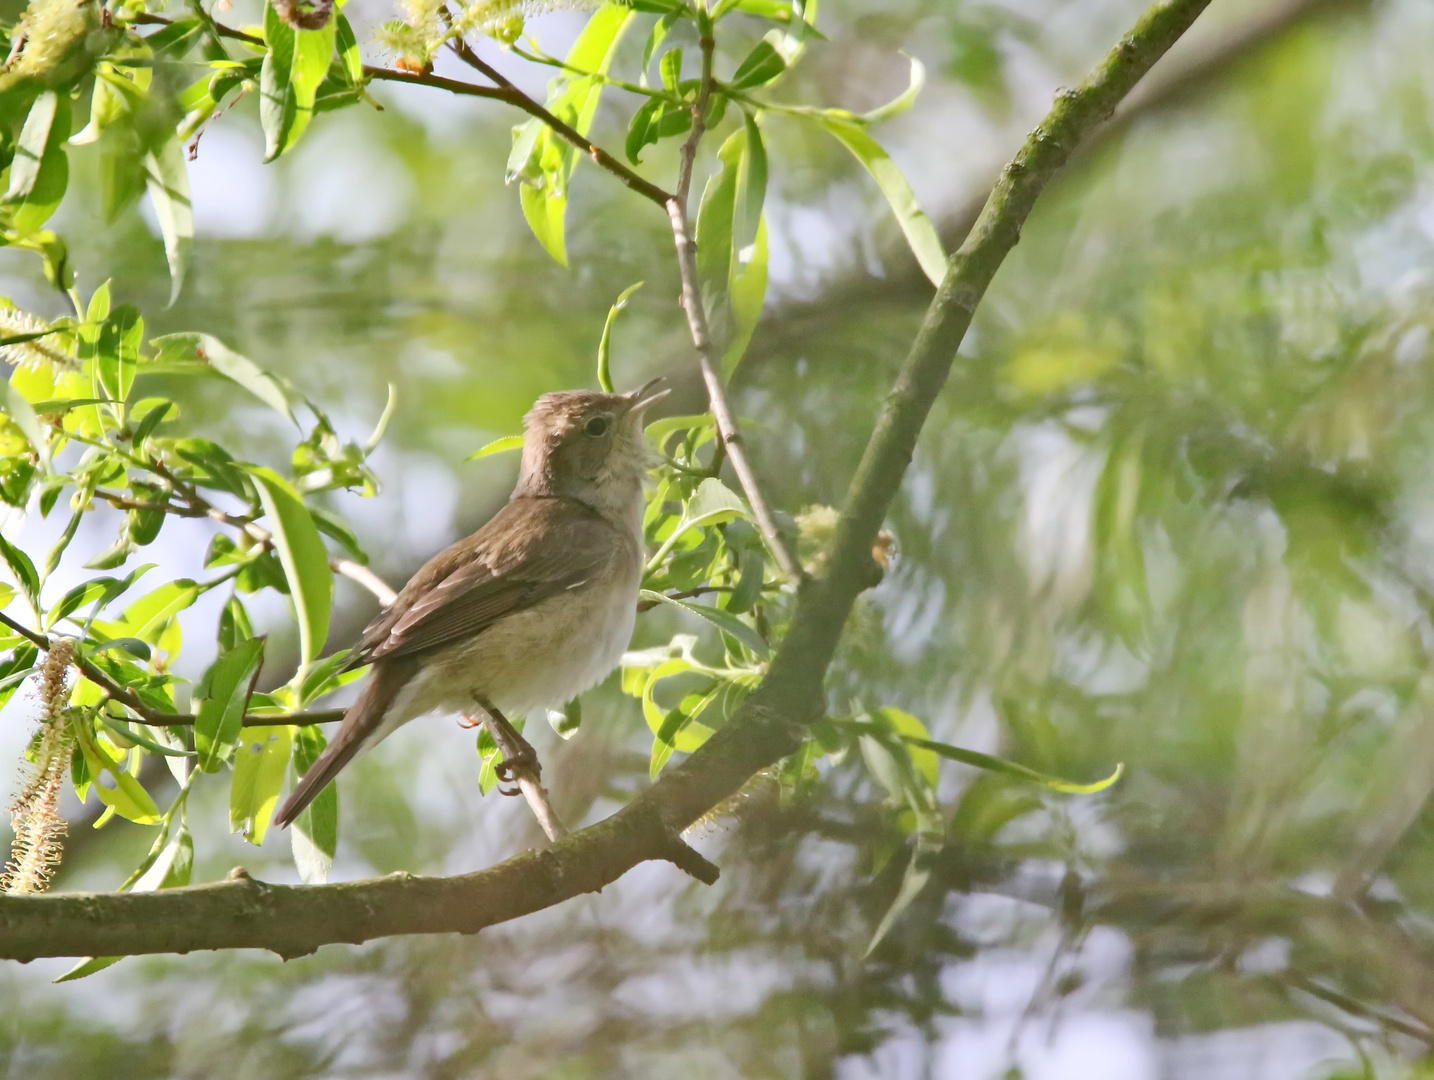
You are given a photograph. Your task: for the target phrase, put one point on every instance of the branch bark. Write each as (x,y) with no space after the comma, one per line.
(292,921)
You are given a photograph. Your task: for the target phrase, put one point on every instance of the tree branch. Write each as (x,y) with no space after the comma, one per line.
(708,356)
(902,278)
(293,921)
(515,97)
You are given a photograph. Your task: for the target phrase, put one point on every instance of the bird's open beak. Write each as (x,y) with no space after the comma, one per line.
(642,400)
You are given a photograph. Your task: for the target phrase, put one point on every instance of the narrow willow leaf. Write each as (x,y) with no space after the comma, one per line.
(763,64)
(348,48)
(920,233)
(655,39)
(549,163)
(30,147)
(304,557)
(497,446)
(259,767)
(899,104)
(567,720)
(167,179)
(749,296)
(23,569)
(207,349)
(220,720)
(39,194)
(918,873)
(315,832)
(544,209)
(751,187)
(277,105)
(723,620)
(1010,768)
(24,415)
(715,216)
(604,372)
(913,732)
(145,619)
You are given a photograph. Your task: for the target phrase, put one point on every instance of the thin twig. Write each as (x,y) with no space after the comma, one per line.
(708,356)
(509,93)
(196,505)
(154,717)
(517,754)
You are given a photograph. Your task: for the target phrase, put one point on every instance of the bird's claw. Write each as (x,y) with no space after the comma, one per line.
(468,722)
(525,760)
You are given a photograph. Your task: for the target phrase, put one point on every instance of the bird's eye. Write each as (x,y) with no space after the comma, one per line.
(596,427)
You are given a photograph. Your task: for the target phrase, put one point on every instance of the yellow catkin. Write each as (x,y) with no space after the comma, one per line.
(34,815)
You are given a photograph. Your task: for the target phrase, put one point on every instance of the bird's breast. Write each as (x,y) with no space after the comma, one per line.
(547,655)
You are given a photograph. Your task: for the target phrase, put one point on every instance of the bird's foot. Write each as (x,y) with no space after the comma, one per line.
(469,721)
(520,759)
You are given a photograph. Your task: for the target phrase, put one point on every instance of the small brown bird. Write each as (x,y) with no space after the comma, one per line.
(532,609)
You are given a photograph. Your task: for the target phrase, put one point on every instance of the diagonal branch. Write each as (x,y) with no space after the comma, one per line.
(292,921)
(708,356)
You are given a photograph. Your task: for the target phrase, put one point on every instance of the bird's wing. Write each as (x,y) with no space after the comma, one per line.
(532,549)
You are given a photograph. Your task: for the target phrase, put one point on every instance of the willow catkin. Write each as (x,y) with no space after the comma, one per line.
(34,811)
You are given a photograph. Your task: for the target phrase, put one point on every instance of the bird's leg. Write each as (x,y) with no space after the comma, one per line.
(518,754)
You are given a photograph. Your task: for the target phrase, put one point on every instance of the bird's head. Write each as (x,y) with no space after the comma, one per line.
(587,445)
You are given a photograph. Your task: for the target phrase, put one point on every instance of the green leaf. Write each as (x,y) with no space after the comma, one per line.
(715,216)
(31,146)
(913,731)
(220,720)
(497,446)
(23,569)
(679,729)
(293,69)
(899,104)
(605,344)
(40,171)
(259,767)
(671,70)
(167,180)
(568,719)
(206,349)
(128,797)
(918,873)
(26,419)
(348,48)
(145,619)
(749,296)
(1010,768)
(654,120)
(544,209)
(920,233)
(751,187)
(549,163)
(315,832)
(761,66)
(723,620)
(302,553)
(659,33)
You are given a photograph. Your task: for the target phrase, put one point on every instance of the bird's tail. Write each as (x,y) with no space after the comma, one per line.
(363,725)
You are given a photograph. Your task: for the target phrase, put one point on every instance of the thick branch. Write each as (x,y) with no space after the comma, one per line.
(296,920)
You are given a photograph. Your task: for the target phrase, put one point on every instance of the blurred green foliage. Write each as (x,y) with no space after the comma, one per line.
(1170,512)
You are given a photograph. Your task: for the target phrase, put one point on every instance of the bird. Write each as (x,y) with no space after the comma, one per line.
(534,608)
